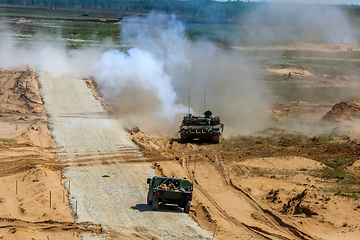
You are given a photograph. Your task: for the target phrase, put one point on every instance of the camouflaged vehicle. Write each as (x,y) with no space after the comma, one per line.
(169,190)
(205,128)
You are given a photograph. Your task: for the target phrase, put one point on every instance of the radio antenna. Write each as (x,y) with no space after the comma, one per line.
(204,99)
(189,98)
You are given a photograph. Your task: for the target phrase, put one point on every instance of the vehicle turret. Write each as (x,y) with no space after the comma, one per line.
(204,127)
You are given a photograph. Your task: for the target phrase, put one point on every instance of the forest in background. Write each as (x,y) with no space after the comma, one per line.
(229,10)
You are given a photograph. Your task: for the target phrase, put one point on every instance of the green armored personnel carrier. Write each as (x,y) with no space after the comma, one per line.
(205,128)
(169,190)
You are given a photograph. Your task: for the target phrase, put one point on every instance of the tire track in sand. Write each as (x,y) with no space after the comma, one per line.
(81,127)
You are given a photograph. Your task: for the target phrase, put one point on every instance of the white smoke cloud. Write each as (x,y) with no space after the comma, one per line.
(46,53)
(159,54)
(284,23)
(148,85)
(118,70)
(333,24)
(156,74)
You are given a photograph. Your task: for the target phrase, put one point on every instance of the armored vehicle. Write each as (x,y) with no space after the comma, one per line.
(169,190)
(206,128)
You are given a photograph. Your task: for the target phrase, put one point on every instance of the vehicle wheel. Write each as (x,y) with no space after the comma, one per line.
(155,204)
(187,207)
(149,202)
(216,138)
(184,138)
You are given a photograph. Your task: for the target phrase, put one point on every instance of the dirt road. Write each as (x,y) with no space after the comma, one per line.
(106,173)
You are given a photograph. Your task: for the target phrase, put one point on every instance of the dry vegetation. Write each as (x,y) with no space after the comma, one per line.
(278,184)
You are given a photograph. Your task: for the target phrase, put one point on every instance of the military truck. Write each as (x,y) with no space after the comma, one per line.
(169,190)
(204,128)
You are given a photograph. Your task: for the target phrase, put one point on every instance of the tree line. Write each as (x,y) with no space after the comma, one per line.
(195,8)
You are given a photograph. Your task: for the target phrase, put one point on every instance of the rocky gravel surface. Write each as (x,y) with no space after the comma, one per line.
(105,172)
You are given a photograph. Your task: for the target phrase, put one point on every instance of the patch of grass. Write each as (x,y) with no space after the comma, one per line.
(259,172)
(326,137)
(267,139)
(285,208)
(353,196)
(237,139)
(348,193)
(74,34)
(69,23)
(327,199)
(336,164)
(304,90)
(7,141)
(36,12)
(347,184)
(335,169)
(293,137)
(331,173)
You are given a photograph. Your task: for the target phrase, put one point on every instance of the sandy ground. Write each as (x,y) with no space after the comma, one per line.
(107,172)
(241,190)
(29,168)
(258,198)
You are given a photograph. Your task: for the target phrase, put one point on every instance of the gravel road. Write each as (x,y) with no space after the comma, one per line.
(107,174)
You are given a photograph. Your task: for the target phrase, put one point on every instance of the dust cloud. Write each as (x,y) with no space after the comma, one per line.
(46,54)
(149,84)
(282,23)
(288,23)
